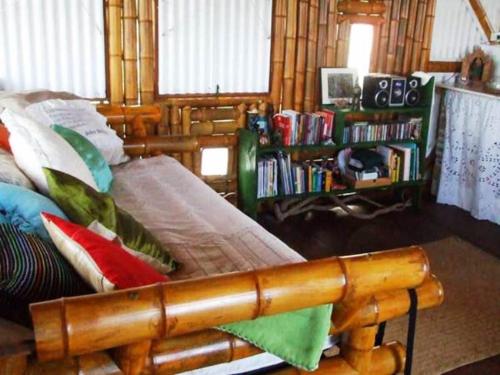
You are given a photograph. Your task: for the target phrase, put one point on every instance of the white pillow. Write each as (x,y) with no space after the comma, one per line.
(35,146)
(82,117)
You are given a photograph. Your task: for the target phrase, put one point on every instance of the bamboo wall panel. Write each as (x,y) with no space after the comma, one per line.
(130,50)
(146,50)
(456,31)
(290,48)
(115,50)
(301,57)
(202,44)
(57,45)
(311,63)
(278,55)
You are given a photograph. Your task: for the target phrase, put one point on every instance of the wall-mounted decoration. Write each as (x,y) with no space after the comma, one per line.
(476,67)
(337,85)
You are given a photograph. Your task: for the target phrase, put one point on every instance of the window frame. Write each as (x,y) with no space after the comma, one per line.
(208,96)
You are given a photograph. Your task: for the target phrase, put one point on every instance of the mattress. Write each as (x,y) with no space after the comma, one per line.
(201,229)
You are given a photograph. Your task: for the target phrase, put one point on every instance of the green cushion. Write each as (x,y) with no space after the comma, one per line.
(94,160)
(82,204)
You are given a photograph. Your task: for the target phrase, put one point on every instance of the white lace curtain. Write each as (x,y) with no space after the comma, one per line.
(470,171)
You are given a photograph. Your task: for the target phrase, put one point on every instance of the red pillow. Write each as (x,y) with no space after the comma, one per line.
(4,138)
(102,263)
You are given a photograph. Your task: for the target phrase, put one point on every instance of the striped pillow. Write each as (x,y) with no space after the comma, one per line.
(32,269)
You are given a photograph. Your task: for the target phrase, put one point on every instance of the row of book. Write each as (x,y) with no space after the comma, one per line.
(298,128)
(364,131)
(277,174)
(402,161)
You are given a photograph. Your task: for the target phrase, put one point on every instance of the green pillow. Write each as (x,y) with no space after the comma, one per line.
(82,204)
(94,160)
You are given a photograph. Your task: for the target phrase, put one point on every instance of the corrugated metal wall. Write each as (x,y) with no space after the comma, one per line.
(205,43)
(492,8)
(456,31)
(53,44)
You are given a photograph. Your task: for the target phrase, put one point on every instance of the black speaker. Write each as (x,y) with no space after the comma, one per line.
(397,94)
(376,91)
(413,95)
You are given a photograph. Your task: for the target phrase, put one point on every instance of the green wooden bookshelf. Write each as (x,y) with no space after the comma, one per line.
(250,151)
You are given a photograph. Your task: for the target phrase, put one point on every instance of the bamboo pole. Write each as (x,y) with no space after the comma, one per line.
(210,347)
(401,38)
(311,63)
(357,348)
(186,157)
(343,43)
(384,39)
(301,58)
(175,126)
(115,51)
(387,359)
(278,53)
(175,144)
(77,325)
(146,50)
(410,32)
(322,33)
(290,47)
(331,47)
(131,359)
(393,36)
(419,35)
(482,17)
(426,46)
(377,29)
(130,50)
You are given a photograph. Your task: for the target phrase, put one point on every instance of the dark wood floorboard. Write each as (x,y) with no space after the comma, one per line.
(323,234)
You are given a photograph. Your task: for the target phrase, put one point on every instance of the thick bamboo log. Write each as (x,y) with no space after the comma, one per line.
(219,101)
(401,37)
(343,43)
(444,66)
(384,39)
(164,124)
(130,50)
(361,18)
(387,359)
(115,51)
(377,29)
(359,7)
(357,348)
(197,156)
(410,32)
(137,147)
(97,363)
(13,365)
(77,325)
(131,359)
(185,353)
(331,47)
(322,33)
(175,124)
(290,47)
(310,94)
(278,53)
(393,36)
(419,35)
(241,119)
(214,114)
(214,127)
(146,50)
(426,45)
(186,157)
(482,17)
(301,58)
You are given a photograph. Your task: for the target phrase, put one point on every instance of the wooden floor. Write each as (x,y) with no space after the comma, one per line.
(322,234)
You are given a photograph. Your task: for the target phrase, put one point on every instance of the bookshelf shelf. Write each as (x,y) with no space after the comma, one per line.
(250,150)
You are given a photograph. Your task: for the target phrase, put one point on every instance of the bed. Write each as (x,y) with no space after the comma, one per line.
(230,273)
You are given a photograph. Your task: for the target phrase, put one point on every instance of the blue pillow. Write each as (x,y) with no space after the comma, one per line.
(21,207)
(92,157)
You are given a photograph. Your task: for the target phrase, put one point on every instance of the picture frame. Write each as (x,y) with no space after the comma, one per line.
(337,85)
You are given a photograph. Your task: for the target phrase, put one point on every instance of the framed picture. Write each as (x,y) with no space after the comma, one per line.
(337,85)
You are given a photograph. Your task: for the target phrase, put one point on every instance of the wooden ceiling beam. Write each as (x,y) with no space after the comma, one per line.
(482,18)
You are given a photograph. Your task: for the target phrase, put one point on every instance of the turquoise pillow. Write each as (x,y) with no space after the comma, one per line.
(90,155)
(21,207)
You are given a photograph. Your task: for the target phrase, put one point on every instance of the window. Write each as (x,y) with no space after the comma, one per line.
(53,44)
(214,46)
(360,49)
(214,161)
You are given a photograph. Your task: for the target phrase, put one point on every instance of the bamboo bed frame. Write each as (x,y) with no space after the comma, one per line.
(156,329)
